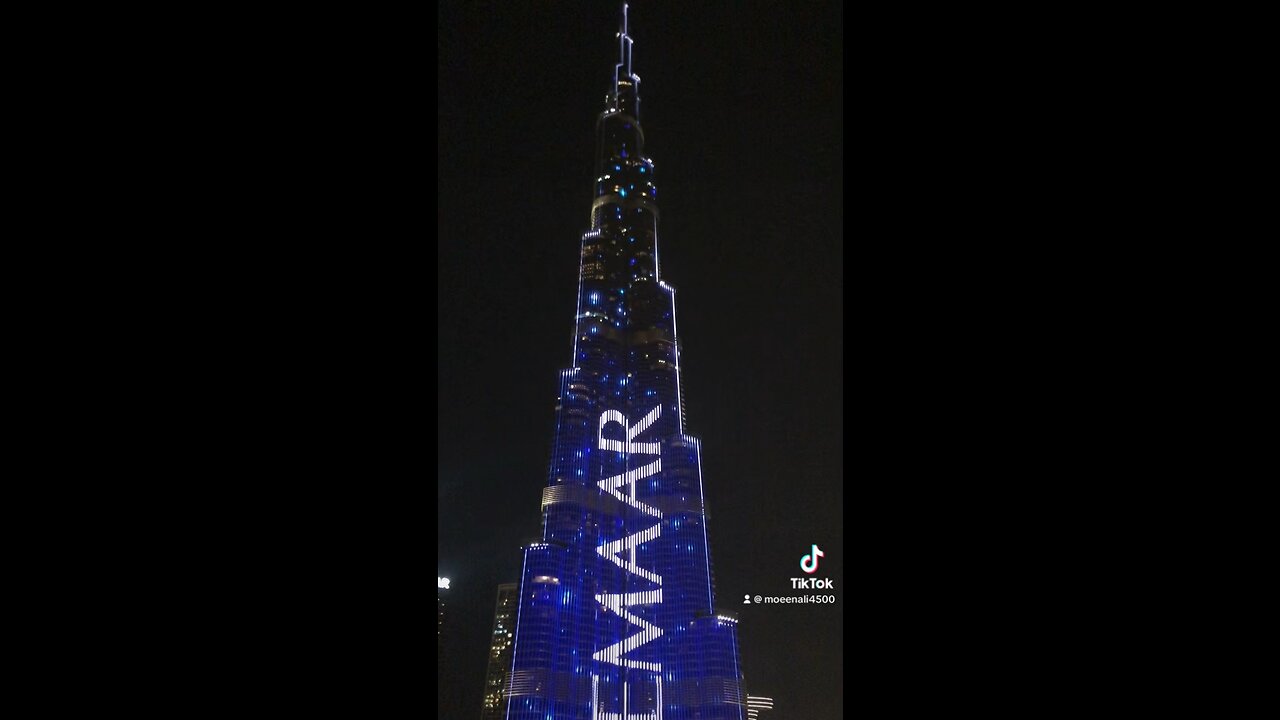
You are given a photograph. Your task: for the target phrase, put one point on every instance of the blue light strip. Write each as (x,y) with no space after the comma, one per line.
(515,646)
(706,548)
(737,674)
(675,334)
(577,327)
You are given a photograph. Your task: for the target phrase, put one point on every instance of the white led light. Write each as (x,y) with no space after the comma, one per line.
(610,551)
(628,446)
(612,484)
(620,604)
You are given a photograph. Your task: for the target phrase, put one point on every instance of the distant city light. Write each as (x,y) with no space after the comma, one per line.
(442,583)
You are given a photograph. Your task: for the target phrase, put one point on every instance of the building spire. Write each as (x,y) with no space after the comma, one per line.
(624,46)
(626,84)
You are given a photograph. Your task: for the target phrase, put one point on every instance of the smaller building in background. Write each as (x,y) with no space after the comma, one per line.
(442,584)
(504,627)
(757,705)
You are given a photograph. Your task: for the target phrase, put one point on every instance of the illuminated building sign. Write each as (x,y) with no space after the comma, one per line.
(618,603)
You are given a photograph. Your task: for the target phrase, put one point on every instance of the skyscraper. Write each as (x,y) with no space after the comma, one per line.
(504,625)
(616,616)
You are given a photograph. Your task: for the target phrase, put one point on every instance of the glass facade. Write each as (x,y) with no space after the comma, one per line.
(616,615)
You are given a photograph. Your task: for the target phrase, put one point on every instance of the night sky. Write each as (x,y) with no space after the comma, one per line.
(742,111)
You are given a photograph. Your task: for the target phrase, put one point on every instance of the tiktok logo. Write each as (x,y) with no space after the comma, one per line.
(811,567)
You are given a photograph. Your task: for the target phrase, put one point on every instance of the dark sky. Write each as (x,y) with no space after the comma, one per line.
(742,110)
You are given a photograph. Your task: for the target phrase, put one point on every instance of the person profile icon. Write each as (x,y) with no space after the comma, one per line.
(746,599)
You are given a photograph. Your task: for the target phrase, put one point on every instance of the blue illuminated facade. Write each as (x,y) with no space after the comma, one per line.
(616,618)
